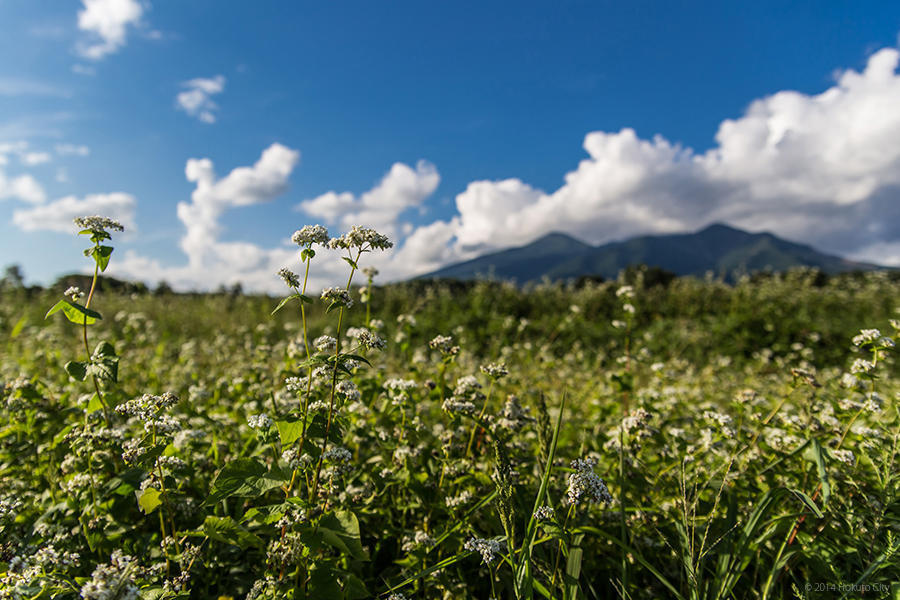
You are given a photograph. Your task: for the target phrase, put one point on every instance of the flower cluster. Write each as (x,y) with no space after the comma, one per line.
(337,296)
(366,338)
(260,421)
(584,484)
(457,405)
(399,388)
(309,235)
(513,415)
(148,406)
(444,345)
(362,238)
(97,224)
(289,277)
(466,385)
(325,343)
(113,581)
(486,547)
(544,513)
(73,292)
(495,370)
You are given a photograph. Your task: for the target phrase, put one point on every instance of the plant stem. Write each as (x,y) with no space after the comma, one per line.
(337,352)
(87,348)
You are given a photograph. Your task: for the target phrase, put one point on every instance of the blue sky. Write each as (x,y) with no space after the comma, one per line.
(455,127)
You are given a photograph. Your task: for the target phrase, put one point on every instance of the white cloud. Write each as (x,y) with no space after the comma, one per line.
(196,99)
(211,261)
(23,187)
(822,169)
(35,158)
(72,150)
(107,21)
(58,215)
(400,189)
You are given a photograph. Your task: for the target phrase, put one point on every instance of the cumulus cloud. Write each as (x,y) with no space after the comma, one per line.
(58,215)
(400,189)
(211,261)
(23,187)
(107,23)
(196,99)
(822,169)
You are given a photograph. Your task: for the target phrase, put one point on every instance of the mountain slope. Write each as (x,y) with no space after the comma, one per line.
(720,249)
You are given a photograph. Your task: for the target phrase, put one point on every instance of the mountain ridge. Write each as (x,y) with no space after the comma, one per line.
(720,248)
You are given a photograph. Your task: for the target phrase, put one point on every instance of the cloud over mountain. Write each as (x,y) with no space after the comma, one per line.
(823,169)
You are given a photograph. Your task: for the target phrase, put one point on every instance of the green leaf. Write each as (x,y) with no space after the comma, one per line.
(75,312)
(78,370)
(307,254)
(101,256)
(225,530)
(809,502)
(105,368)
(94,404)
(340,529)
(355,589)
(105,349)
(246,477)
(148,499)
(350,262)
(573,567)
(289,431)
(524,581)
(285,301)
(815,454)
(323,584)
(17,328)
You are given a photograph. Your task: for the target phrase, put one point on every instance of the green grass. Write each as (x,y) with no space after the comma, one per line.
(741,462)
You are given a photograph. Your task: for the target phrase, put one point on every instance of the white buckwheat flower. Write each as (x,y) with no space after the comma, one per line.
(337,295)
(74,292)
(584,484)
(363,238)
(325,343)
(544,513)
(261,421)
(309,235)
(113,581)
(866,336)
(495,370)
(861,365)
(487,548)
(98,224)
(289,277)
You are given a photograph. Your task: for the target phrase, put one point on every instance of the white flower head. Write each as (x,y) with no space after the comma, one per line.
(260,421)
(289,277)
(337,296)
(486,547)
(98,224)
(309,235)
(585,485)
(362,238)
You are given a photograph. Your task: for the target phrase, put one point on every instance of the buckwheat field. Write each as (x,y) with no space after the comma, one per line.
(640,438)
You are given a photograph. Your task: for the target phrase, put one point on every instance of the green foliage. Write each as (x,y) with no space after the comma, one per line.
(742,458)
(75,312)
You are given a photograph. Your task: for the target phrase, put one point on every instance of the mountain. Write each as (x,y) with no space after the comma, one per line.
(720,249)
